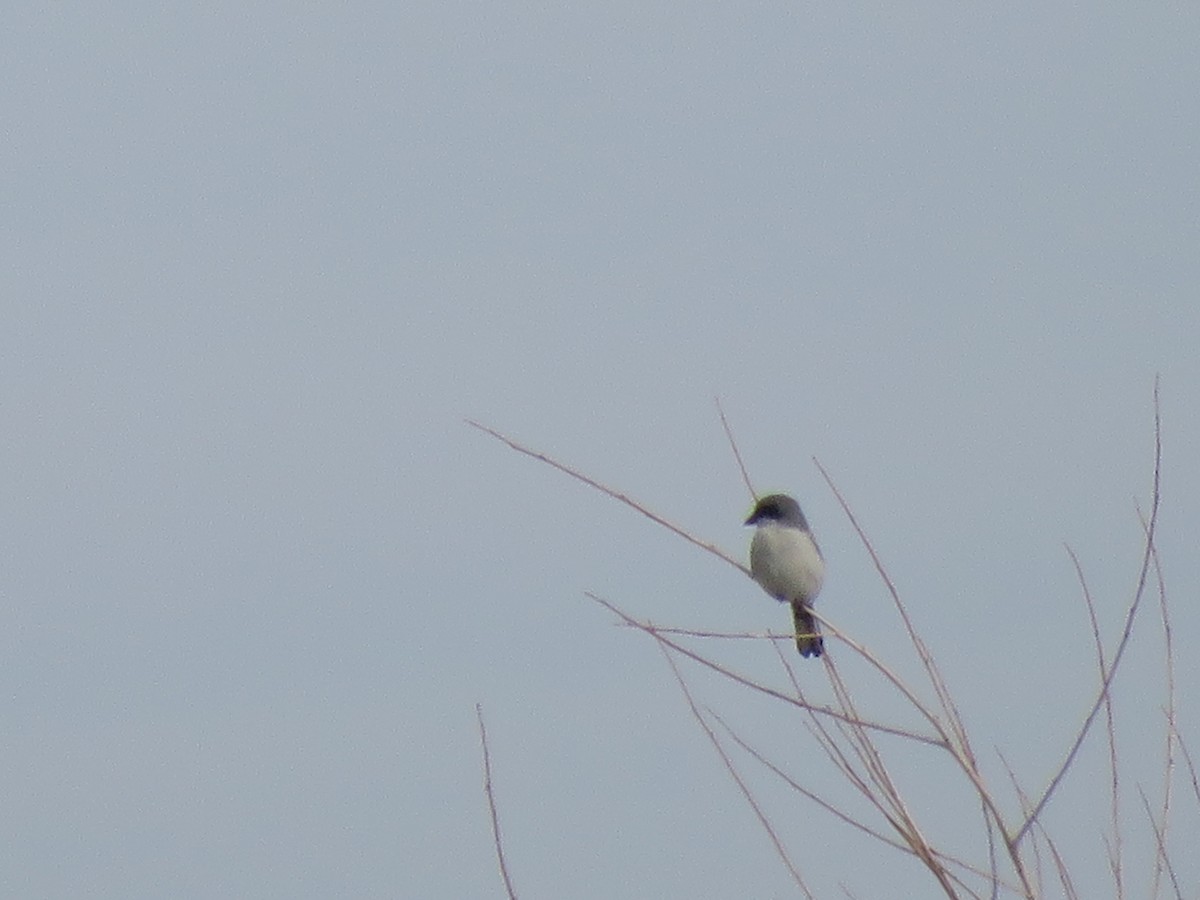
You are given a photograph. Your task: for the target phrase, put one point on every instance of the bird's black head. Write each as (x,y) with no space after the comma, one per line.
(778,508)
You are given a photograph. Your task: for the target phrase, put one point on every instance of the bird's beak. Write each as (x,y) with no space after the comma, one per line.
(753,518)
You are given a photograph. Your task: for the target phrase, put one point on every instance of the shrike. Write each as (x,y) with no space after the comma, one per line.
(787,562)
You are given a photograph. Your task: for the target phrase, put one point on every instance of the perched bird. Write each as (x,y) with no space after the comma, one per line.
(787,562)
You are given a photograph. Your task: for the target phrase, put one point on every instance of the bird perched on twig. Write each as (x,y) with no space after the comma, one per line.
(787,562)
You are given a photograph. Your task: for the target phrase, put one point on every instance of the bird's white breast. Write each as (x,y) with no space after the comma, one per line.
(786,562)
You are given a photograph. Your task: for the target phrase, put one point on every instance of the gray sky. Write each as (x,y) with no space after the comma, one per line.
(262,259)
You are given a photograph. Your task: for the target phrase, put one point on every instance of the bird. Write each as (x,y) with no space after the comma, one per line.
(786,561)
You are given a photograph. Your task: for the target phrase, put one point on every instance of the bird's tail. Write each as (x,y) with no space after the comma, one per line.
(808,634)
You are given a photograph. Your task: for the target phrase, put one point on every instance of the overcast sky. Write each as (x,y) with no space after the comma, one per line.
(260,261)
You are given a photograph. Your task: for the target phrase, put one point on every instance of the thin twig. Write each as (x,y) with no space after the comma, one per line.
(875,662)
(868,754)
(1169,761)
(1162,847)
(883,786)
(737,778)
(736,453)
(722,635)
(922,651)
(746,682)
(990,827)
(838,755)
(1187,758)
(959,747)
(1023,799)
(1064,874)
(1131,614)
(838,758)
(834,751)
(909,831)
(805,792)
(1115,848)
(491,798)
(960,754)
(616,495)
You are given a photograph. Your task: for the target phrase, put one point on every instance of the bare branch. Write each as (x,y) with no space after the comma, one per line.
(1163,858)
(1023,799)
(1187,758)
(959,746)
(994,867)
(896,681)
(737,778)
(754,685)
(1130,615)
(808,794)
(722,635)
(491,798)
(736,453)
(882,787)
(1115,848)
(616,495)
(885,798)
(849,740)
(1169,754)
(919,645)
(1064,874)
(960,753)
